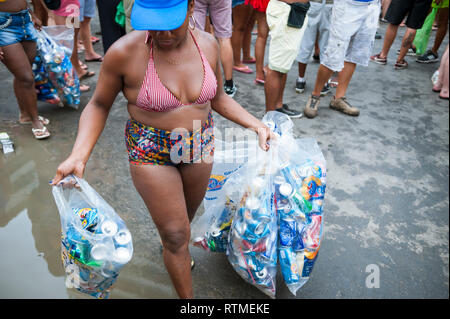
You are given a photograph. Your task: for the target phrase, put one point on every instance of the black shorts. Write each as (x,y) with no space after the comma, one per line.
(417,11)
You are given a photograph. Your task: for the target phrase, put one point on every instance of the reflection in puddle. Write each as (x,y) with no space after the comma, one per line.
(24,272)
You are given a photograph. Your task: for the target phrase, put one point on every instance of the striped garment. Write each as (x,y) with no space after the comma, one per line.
(154,96)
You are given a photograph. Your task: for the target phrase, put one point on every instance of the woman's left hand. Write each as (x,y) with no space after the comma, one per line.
(265,135)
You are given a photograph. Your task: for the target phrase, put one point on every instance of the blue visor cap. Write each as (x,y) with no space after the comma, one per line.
(158,15)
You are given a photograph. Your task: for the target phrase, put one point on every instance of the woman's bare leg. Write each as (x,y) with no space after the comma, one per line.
(442,18)
(161,188)
(18,58)
(85,35)
(247,41)
(260,44)
(241,14)
(195,179)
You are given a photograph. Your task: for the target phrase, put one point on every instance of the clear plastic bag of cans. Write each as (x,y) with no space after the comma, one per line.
(59,70)
(252,249)
(211,230)
(44,88)
(300,189)
(96,243)
(62,35)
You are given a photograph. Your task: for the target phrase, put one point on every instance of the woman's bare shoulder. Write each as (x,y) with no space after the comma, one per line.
(207,43)
(126,48)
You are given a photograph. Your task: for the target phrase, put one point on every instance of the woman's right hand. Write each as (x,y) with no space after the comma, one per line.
(71,165)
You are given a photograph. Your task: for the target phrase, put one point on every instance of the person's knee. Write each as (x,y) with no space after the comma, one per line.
(175,240)
(25,80)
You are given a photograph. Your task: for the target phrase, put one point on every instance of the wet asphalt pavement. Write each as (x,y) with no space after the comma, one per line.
(386,204)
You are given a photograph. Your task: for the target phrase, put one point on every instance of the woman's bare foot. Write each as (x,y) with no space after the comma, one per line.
(92,57)
(83,66)
(26,119)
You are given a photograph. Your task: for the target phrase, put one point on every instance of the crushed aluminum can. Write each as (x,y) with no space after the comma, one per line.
(7,144)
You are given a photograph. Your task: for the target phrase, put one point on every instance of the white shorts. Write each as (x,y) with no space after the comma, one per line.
(284,40)
(352,33)
(319,15)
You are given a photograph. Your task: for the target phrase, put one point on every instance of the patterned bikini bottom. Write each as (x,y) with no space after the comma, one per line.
(151,146)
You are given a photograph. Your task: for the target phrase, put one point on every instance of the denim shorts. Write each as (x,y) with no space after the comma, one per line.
(16,27)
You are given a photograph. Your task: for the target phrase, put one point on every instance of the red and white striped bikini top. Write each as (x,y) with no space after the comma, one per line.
(154,96)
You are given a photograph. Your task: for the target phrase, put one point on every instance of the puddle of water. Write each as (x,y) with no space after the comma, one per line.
(18,250)
(30,245)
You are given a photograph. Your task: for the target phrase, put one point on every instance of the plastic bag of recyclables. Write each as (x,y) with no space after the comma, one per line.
(267,207)
(53,71)
(95,241)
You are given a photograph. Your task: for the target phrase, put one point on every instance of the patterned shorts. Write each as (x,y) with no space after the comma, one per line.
(148,145)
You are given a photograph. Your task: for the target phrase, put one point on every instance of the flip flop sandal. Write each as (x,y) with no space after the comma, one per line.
(260,81)
(94,40)
(88,74)
(251,61)
(100,59)
(44,131)
(43,120)
(244,69)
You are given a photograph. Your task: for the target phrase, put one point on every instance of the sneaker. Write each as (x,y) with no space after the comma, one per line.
(326,89)
(343,106)
(378,59)
(428,57)
(289,112)
(377,35)
(230,90)
(399,65)
(312,106)
(411,52)
(300,86)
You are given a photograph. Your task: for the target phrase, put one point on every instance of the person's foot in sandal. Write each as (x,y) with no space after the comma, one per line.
(39,130)
(86,74)
(94,57)
(249,60)
(26,119)
(242,68)
(83,66)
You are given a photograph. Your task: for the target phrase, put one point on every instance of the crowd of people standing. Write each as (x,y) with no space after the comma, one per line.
(339,34)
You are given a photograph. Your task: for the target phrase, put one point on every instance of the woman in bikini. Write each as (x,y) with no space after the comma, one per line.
(17,51)
(142,65)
